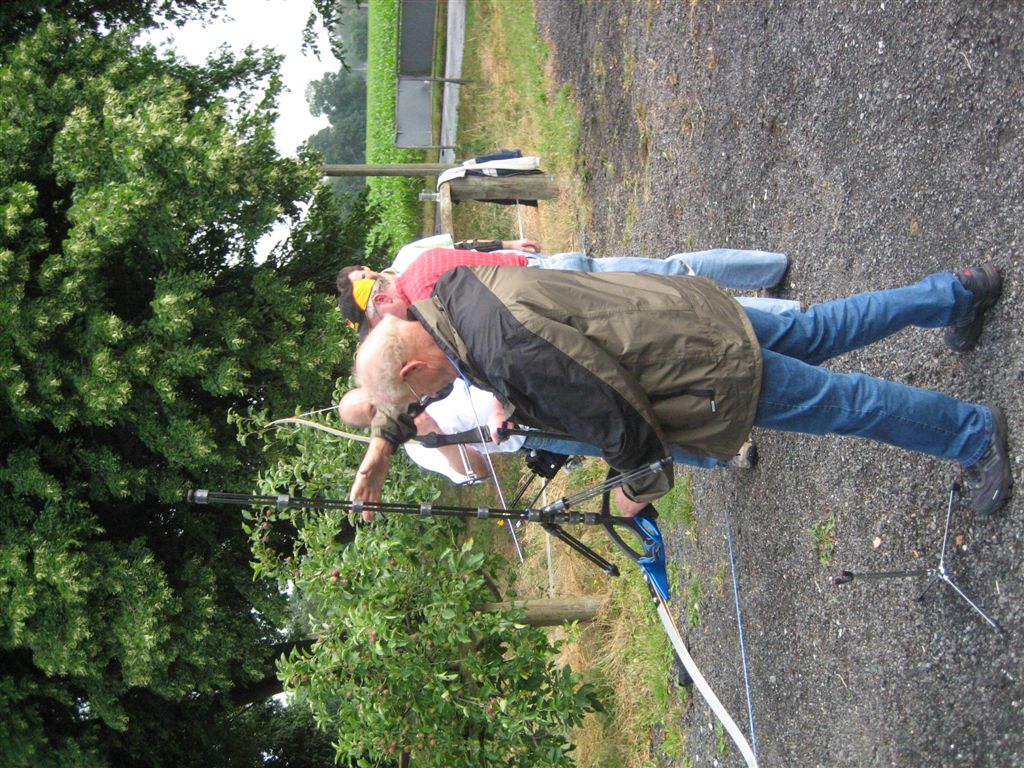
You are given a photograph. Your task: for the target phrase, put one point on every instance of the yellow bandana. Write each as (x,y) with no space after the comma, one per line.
(361,291)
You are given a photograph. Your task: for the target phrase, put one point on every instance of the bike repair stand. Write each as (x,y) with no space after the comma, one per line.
(938,574)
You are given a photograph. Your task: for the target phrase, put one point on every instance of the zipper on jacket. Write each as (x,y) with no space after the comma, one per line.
(708,393)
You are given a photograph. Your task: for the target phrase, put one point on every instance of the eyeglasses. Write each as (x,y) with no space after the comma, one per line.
(422,400)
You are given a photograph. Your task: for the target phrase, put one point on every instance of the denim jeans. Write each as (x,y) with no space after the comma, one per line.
(729,267)
(572,448)
(766,304)
(799,396)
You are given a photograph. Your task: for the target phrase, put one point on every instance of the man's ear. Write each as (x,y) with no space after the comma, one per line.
(410,368)
(380,298)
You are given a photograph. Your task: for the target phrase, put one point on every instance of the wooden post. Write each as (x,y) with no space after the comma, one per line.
(396,169)
(531,186)
(444,207)
(554,612)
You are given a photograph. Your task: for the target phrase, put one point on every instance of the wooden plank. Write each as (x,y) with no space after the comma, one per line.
(395,169)
(444,209)
(554,611)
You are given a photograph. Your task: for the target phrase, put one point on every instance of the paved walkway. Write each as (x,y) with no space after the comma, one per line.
(455,40)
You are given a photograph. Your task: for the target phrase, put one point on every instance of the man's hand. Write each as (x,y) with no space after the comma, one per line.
(626,505)
(496,420)
(371,474)
(426,424)
(521,245)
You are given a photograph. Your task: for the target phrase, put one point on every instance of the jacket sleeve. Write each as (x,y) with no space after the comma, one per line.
(394,423)
(560,380)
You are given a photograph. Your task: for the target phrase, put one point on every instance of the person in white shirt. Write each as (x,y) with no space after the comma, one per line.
(464,409)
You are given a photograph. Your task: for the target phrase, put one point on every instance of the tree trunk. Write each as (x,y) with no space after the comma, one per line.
(268,685)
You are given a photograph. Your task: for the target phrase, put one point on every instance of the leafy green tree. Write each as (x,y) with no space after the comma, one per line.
(341,98)
(333,16)
(20,17)
(354,31)
(133,194)
(402,658)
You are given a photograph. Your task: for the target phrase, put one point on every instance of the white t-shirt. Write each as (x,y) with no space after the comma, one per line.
(407,254)
(456,414)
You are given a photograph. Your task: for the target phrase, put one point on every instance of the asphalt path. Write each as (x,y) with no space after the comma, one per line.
(874,143)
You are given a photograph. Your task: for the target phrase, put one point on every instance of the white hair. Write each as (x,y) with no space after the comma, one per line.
(380,360)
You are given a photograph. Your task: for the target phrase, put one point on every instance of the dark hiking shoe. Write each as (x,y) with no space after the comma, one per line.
(990,480)
(985,283)
(746,458)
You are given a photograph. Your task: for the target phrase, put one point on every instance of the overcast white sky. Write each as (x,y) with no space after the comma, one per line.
(276,24)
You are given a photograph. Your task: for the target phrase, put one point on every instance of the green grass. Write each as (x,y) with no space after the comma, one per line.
(630,653)
(823,533)
(637,663)
(393,197)
(510,102)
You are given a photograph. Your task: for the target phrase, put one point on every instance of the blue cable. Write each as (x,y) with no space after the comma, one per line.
(739,622)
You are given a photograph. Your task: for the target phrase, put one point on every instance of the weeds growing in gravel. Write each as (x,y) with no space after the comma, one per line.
(823,533)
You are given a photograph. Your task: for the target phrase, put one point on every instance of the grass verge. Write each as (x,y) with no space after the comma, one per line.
(625,651)
(510,102)
(393,197)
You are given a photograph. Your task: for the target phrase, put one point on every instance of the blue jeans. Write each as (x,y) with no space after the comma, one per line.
(765,304)
(799,396)
(729,267)
(572,448)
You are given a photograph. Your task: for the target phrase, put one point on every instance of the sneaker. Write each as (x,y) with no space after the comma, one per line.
(746,458)
(990,480)
(985,283)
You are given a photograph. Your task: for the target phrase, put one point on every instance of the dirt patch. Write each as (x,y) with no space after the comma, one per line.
(873,143)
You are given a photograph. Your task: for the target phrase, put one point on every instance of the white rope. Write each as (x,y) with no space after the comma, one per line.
(701,684)
(490,465)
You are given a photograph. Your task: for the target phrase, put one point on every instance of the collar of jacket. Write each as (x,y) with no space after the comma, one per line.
(432,315)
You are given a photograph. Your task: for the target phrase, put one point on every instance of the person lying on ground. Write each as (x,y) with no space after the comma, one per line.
(637,363)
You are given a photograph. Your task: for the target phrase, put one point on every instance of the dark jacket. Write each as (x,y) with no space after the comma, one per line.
(629,362)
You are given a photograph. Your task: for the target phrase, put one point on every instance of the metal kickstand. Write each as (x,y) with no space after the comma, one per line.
(940,573)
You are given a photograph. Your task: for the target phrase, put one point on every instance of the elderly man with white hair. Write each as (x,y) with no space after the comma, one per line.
(636,363)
